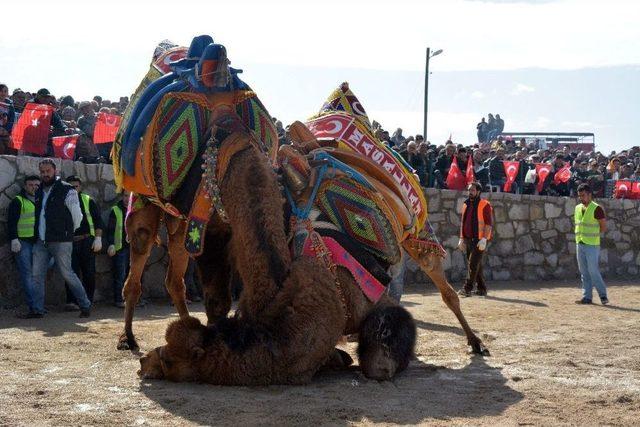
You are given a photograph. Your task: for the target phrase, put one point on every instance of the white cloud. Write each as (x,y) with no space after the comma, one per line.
(477,94)
(522,88)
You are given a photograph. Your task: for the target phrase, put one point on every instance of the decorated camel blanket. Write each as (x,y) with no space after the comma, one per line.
(165,150)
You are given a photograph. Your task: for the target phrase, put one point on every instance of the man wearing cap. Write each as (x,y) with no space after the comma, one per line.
(118,249)
(21,224)
(43,96)
(58,215)
(590,222)
(19,99)
(475,232)
(87,240)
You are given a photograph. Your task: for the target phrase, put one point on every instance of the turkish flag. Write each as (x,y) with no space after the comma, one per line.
(635,190)
(106,128)
(31,132)
(64,147)
(542,170)
(511,170)
(562,175)
(455,179)
(623,189)
(470,175)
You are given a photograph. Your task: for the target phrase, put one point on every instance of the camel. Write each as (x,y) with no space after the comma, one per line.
(285,334)
(233,215)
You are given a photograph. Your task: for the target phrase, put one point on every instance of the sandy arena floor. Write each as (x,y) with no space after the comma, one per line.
(553,362)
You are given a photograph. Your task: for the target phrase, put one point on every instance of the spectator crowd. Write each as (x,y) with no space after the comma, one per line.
(498,163)
(535,166)
(69,117)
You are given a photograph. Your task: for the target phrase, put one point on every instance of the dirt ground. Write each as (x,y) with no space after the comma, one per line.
(552,362)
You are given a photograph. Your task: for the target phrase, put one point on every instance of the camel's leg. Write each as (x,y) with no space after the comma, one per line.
(432,265)
(178,260)
(142,229)
(215,270)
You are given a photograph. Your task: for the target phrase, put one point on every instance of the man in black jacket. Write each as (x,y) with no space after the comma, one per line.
(58,215)
(87,241)
(21,225)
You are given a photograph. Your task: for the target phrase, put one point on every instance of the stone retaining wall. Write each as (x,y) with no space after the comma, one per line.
(533,235)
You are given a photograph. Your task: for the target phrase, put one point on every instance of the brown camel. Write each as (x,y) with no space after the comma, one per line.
(291,313)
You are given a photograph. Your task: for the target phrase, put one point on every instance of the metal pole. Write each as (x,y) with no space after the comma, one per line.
(426,94)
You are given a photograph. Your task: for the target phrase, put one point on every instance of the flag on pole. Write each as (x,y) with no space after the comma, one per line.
(31,132)
(542,170)
(562,175)
(470,175)
(64,147)
(511,171)
(455,179)
(106,128)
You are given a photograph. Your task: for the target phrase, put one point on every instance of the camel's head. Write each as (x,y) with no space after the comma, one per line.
(386,341)
(179,359)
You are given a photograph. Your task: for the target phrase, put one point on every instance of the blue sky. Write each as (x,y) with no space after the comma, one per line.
(568,65)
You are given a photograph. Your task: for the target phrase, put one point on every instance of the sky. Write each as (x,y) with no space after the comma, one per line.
(566,65)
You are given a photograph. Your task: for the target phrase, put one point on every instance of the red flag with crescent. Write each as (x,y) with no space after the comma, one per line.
(106,128)
(542,170)
(31,132)
(562,175)
(64,147)
(470,175)
(455,179)
(511,171)
(623,189)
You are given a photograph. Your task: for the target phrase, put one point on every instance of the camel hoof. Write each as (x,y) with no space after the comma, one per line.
(480,349)
(127,342)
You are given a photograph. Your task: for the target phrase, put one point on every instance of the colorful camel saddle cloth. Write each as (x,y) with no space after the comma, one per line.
(343,122)
(168,146)
(337,255)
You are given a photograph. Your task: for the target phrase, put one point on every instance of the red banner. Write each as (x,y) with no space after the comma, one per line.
(455,179)
(31,132)
(562,175)
(542,170)
(64,147)
(106,128)
(470,175)
(511,171)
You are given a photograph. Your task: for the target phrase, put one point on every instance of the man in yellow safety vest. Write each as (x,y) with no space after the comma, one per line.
(87,241)
(590,221)
(21,223)
(118,249)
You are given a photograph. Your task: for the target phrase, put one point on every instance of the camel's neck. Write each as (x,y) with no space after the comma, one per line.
(254,206)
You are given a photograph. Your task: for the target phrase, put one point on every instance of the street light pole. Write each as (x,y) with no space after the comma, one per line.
(426,89)
(426,94)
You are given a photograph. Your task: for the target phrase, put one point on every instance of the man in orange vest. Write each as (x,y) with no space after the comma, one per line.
(475,232)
